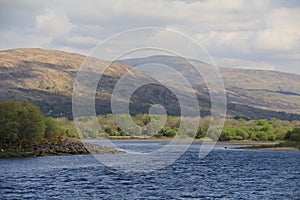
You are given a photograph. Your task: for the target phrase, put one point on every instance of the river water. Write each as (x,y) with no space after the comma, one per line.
(223,174)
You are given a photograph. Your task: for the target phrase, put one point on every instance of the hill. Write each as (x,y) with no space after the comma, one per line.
(46,78)
(250,93)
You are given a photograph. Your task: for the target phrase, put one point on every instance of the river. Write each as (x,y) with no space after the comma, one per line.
(223,174)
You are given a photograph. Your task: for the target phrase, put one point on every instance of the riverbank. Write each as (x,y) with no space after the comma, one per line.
(15,153)
(235,144)
(271,146)
(76,147)
(63,148)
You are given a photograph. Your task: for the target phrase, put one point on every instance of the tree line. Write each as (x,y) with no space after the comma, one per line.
(234,129)
(22,124)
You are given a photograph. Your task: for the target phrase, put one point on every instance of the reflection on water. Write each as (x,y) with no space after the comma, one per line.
(245,174)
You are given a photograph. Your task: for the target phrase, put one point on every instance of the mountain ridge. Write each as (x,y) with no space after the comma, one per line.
(46,77)
(176,62)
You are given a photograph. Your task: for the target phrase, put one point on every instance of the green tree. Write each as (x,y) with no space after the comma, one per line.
(262,136)
(242,133)
(52,130)
(22,123)
(293,135)
(32,123)
(227,135)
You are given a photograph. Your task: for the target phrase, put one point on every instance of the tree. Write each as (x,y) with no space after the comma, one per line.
(32,123)
(262,136)
(52,130)
(242,134)
(227,135)
(293,135)
(22,123)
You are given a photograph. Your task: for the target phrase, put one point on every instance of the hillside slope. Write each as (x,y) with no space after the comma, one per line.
(46,77)
(260,89)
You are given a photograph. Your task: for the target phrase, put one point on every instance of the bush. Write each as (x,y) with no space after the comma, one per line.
(242,134)
(227,135)
(201,133)
(294,135)
(167,132)
(271,137)
(262,136)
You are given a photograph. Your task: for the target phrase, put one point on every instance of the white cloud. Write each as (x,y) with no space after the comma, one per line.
(276,40)
(12,39)
(284,19)
(243,33)
(282,31)
(53,24)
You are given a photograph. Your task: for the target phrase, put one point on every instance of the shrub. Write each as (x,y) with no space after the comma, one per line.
(262,136)
(294,135)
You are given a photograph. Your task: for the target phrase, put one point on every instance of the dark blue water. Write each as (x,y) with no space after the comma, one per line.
(223,174)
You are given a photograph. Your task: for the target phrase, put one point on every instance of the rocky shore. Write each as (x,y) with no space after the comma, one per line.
(73,147)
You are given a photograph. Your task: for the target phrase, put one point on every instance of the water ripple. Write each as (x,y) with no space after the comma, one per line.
(234,174)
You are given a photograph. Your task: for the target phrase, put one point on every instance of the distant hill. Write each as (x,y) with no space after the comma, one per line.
(46,78)
(261,90)
(232,77)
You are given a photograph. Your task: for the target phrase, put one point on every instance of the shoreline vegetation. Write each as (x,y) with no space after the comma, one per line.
(23,126)
(278,146)
(242,144)
(67,147)
(78,148)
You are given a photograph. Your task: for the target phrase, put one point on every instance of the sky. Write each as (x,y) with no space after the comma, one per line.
(259,34)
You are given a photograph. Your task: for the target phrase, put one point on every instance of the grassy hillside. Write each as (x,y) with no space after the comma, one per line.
(46,77)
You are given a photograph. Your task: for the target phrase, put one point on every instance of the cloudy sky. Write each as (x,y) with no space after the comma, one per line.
(250,34)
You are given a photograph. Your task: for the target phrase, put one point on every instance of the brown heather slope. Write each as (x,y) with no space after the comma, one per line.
(46,77)
(262,90)
(45,70)
(232,77)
